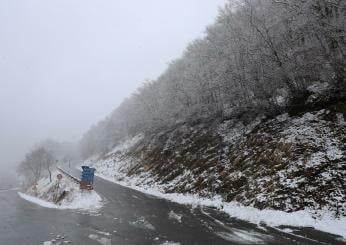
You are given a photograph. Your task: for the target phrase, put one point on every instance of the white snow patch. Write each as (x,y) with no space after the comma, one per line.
(175,216)
(232,131)
(127,144)
(104,233)
(311,130)
(38,201)
(82,201)
(101,240)
(280,100)
(287,230)
(244,237)
(341,119)
(318,87)
(143,224)
(170,243)
(334,153)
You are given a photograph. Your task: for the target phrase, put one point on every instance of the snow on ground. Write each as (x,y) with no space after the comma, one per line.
(115,168)
(142,223)
(47,194)
(100,240)
(59,239)
(38,201)
(170,243)
(84,200)
(326,222)
(319,87)
(174,216)
(127,144)
(231,131)
(244,237)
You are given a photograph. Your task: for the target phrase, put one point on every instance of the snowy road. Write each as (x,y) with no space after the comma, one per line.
(131,217)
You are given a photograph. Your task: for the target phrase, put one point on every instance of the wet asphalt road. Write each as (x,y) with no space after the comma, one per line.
(131,217)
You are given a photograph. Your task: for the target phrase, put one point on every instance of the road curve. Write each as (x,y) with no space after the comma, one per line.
(131,217)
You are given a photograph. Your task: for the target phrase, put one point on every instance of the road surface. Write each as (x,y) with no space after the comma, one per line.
(131,217)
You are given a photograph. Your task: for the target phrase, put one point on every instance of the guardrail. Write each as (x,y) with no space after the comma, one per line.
(69,175)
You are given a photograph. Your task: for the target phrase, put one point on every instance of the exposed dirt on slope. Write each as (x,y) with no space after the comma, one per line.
(287,163)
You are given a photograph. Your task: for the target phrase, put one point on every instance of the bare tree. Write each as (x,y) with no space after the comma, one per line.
(34,164)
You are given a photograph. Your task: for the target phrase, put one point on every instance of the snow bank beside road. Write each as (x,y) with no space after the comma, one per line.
(63,194)
(115,170)
(325,222)
(38,201)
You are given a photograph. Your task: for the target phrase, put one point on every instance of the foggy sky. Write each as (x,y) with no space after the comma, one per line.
(66,64)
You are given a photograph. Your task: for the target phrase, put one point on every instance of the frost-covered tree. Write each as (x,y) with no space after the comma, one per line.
(36,164)
(259,56)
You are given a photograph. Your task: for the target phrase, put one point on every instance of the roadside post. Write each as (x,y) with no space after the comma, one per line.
(59,177)
(87,180)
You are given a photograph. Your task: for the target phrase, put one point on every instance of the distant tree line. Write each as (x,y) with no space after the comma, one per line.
(259,55)
(44,157)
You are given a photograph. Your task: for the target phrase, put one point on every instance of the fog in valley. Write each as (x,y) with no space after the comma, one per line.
(65,65)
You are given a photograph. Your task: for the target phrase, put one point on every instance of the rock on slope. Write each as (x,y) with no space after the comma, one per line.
(286,163)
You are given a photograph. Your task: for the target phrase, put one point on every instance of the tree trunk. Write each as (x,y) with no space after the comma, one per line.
(50,175)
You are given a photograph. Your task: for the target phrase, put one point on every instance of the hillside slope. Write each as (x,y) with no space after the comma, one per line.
(286,163)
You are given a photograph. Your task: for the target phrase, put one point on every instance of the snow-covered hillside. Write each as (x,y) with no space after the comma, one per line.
(294,164)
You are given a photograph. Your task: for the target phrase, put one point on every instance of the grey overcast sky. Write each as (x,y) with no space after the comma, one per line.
(66,64)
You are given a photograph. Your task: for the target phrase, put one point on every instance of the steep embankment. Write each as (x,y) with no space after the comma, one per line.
(287,163)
